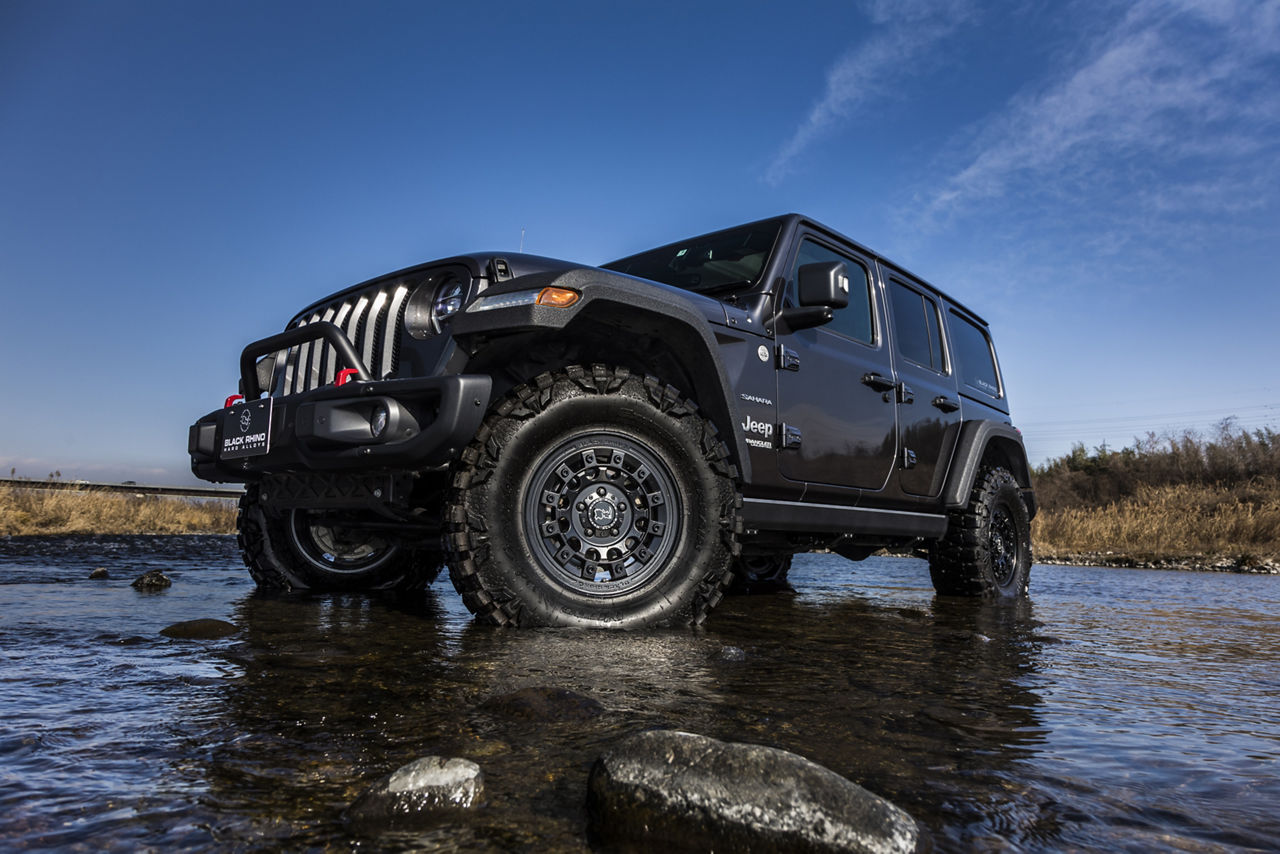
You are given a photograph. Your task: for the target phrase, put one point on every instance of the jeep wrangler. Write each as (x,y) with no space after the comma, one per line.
(619,445)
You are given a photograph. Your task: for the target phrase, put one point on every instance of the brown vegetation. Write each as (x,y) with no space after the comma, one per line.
(64,511)
(1172,498)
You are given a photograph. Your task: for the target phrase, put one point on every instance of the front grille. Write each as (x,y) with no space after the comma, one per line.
(371,319)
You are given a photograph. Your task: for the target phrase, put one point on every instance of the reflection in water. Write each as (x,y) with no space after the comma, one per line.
(1117,709)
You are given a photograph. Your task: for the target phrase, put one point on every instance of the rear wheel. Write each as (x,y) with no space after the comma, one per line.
(304,549)
(987,549)
(593,497)
(761,573)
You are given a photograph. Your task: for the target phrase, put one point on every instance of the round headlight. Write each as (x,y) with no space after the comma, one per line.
(435,301)
(448,300)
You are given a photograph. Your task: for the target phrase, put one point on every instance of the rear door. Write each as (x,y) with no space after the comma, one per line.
(928,404)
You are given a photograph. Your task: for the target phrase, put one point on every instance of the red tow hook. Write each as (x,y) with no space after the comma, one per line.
(231,400)
(344,376)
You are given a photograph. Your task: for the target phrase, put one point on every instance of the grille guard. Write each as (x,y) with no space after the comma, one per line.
(334,336)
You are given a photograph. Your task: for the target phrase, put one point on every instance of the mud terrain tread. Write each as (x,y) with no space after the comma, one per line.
(467,534)
(251,538)
(956,559)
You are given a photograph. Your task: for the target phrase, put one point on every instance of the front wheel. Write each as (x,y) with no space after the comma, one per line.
(987,549)
(592,497)
(761,573)
(307,550)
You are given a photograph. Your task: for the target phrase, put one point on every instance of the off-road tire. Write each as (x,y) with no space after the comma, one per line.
(549,458)
(274,553)
(761,573)
(987,550)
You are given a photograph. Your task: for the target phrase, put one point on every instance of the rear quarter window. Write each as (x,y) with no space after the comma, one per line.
(973,354)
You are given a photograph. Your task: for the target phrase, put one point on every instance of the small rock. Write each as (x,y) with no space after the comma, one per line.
(544,704)
(99,574)
(731,653)
(153,580)
(418,791)
(688,791)
(199,630)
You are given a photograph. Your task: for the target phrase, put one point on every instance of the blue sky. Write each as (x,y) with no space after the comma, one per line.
(1099,180)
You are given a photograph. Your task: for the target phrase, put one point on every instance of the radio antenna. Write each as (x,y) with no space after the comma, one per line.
(522,240)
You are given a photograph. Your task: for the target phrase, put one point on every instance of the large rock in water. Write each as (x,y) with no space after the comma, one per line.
(693,792)
(417,791)
(199,630)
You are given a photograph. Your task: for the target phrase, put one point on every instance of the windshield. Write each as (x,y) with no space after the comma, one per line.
(733,257)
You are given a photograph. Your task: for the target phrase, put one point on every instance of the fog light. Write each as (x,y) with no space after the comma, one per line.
(378,423)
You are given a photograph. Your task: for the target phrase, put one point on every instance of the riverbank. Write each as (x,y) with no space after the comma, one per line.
(1182,526)
(37,512)
(1249,565)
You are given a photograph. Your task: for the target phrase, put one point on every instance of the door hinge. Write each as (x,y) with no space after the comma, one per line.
(908,458)
(788,359)
(790,437)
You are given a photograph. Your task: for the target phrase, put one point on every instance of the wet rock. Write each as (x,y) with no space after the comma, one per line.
(199,630)
(99,574)
(544,704)
(153,580)
(731,653)
(418,792)
(693,792)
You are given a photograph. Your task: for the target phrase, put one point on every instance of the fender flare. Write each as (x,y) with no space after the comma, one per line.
(630,306)
(981,441)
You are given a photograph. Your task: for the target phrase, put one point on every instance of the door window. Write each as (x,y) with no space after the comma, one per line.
(854,320)
(915,323)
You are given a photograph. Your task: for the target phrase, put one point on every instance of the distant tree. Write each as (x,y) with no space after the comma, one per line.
(57,474)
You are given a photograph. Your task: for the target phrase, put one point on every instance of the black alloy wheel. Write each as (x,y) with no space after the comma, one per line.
(331,546)
(604,513)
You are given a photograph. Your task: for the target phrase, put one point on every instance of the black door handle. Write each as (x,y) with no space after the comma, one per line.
(878,382)
(945,403)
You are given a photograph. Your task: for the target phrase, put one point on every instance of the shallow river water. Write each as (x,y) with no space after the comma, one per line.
(1118,710)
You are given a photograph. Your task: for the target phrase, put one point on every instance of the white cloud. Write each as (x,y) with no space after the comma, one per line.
(1176,107)
(904,30)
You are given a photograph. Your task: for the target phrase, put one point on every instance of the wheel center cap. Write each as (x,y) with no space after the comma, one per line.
(603,514)
(601,517)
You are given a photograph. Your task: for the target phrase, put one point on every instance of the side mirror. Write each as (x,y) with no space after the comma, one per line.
(823,284)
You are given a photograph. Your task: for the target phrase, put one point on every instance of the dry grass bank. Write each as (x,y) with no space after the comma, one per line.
(26,512)
(1169,522)
(1165,498)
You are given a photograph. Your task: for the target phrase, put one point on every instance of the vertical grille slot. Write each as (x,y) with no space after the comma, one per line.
(372,321)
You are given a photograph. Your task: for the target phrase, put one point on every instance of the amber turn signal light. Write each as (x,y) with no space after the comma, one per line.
(557,297)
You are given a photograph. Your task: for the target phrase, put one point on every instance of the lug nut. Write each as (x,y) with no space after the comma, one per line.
(590,532)
(602,492)
(582,505)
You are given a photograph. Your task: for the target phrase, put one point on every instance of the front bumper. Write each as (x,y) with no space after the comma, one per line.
(318,431)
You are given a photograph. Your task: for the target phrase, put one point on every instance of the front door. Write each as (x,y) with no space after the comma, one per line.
(832,383)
